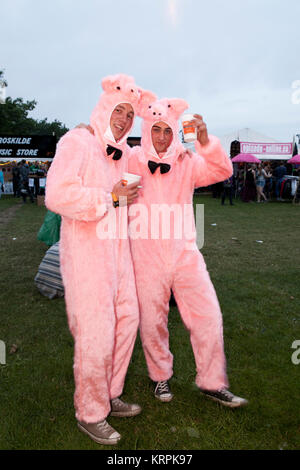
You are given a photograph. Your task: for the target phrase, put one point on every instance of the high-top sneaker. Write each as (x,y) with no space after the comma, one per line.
(225,397)
(162,391)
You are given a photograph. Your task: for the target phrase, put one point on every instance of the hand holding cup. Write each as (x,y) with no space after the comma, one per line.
(194,128)
(127,188)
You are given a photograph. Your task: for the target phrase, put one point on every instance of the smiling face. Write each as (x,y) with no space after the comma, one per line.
(162,136)
(121,120)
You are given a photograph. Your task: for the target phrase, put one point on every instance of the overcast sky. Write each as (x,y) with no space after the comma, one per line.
(234,61)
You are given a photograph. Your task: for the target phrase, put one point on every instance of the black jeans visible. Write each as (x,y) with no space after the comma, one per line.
(16,188)
(26,191)
(227,192)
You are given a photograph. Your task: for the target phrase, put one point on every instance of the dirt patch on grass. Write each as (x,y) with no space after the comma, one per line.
(7,214)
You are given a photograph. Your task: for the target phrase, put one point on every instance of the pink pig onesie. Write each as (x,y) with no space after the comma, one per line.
(175,262)
(97,273)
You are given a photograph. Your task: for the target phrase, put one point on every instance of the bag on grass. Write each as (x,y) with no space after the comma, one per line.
(50,230)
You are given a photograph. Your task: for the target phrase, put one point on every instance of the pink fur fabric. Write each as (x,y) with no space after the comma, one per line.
(97,273)
(163,263)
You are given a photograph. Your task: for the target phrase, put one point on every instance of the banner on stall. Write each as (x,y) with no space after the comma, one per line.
(263,148)
(24,147)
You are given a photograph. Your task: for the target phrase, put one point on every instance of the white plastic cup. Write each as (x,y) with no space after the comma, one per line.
(129,178)
(189,130)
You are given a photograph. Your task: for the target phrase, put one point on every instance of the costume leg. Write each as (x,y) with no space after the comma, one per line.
(199,308)
(127,320)
(153,288)
(89,295)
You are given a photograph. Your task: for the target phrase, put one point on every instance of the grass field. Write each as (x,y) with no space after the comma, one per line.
(258,289)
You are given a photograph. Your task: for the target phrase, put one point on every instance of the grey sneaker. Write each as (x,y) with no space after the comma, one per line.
(225,397)
(100,432)
(123,410)
(162,391)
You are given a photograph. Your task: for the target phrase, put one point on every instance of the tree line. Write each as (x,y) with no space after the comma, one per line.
(14,118)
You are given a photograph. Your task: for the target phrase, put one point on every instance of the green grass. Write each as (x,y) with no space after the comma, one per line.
(7,201)
(258,289)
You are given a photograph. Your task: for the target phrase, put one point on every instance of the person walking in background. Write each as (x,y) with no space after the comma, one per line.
(228,188)
(269,181)
(24,180)
(16,180)
(1,182)
(249,190)
(260,179)
(217,190)
(34,167)
(279,172)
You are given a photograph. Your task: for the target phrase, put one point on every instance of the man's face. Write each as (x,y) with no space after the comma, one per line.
(162,136)
(121,120)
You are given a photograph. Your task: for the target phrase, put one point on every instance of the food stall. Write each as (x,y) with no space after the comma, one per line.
(38,153)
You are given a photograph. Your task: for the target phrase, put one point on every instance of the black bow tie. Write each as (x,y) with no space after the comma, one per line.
(118,153)
(164,167)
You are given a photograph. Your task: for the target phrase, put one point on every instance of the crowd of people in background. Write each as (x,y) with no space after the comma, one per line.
(259,183)
(1,183)
(22,173)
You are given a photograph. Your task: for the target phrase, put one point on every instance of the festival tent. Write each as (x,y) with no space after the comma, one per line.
(251,136)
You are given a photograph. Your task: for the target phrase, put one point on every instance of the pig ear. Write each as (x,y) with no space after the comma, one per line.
(146,98)
(177,105)
(110,83)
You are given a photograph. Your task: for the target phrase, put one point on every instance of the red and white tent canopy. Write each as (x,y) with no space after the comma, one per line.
(262,146)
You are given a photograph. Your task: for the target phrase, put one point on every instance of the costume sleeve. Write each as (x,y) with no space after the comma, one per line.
(65,193)
(211,163)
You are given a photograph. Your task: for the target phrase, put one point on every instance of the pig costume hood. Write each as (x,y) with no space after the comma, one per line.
(117,89)
(169,111)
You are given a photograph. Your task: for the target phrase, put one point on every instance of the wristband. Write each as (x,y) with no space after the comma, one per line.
(115,199)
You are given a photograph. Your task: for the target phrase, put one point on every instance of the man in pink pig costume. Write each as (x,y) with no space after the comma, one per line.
(169,176)
(83,186)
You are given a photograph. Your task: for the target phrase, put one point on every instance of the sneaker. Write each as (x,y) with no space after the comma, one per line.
(123,410)
(225,397)
(100,432)
(162,391)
